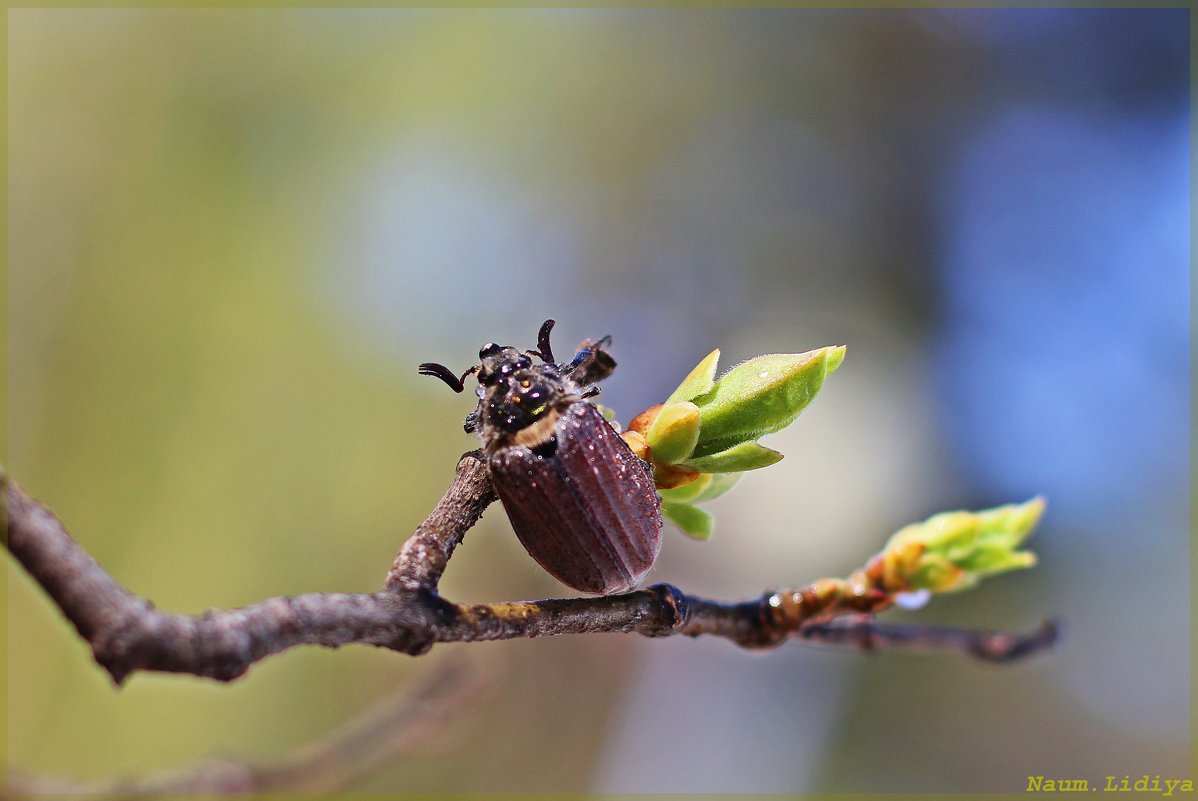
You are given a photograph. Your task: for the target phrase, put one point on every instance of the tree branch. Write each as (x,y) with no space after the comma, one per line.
(423,558)
(989,646)
(389,727)
(127,633)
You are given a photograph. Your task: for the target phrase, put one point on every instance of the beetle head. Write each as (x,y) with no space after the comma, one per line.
(515,393)
(519,398)
(496,363)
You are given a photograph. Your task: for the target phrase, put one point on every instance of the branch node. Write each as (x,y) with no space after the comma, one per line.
(424,601)
(1002,647)
(674,610)
(113,648)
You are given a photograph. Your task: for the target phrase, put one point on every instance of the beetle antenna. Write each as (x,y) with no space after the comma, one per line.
(543,349)
(445,374)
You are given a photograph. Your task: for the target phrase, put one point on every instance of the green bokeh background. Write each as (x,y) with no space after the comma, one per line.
(184,404)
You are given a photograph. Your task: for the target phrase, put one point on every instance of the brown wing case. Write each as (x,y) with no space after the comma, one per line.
(587,511)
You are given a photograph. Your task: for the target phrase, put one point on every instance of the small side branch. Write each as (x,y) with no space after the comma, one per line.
(127,633)
(423,558)
(989,646)
(389,728)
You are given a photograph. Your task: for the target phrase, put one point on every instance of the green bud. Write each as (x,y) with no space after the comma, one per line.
(674,433)
(706,487)
(609,414)
(717,486)
(699,381)
(989,559)
(746,456)
(704,435)
(687,493)
(761,396)
(954,550)
(937,574)
(693,521)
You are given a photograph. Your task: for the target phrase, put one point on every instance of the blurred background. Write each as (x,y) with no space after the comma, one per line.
(235,233)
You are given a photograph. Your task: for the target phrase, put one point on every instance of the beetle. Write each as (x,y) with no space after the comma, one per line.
(583,505)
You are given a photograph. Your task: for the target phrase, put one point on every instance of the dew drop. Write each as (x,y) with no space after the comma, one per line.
(912,600)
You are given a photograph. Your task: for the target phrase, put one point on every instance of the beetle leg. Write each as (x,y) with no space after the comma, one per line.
(467,374)
(592,363)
